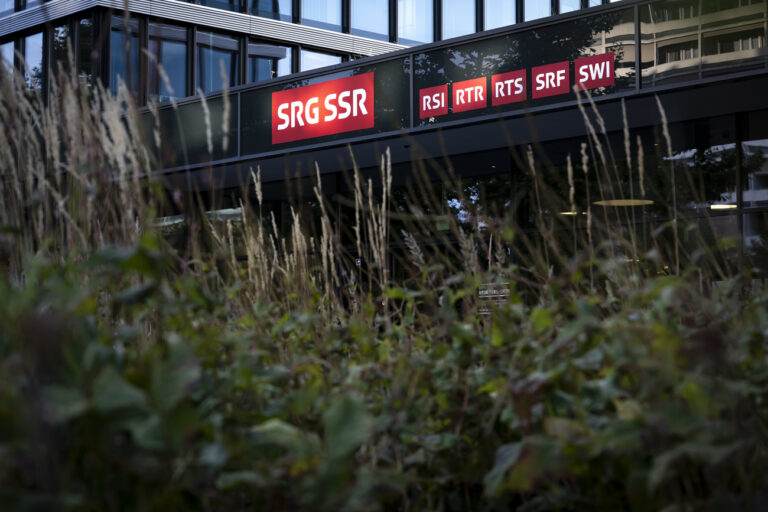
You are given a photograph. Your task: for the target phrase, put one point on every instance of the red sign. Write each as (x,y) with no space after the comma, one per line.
(551,79)
(433,101)
(336,106)
(508,88)
(470,95)
(595,71)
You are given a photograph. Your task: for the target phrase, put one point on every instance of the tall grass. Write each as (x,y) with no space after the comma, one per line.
(247,366)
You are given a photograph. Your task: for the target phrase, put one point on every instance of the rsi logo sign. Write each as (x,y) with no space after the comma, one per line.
(336,106)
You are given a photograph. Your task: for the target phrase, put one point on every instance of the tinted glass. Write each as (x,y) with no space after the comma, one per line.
(167,51)
(6,55)
(535,9)
(229,5)
(124,54)
(285,64)
(370,18)
(415,21)
(569,5)
(6,7)
(62,46)
(558,44)
(756,246)
(85,50)
(217,61)
(754,148)
(679,43)
(267,61)
(275,9)
(458,18)
(499,13)
(33,60)
(391,112)
(314,60)
(321,13)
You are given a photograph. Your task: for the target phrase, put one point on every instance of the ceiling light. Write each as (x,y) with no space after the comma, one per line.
(722,206)
(624,202)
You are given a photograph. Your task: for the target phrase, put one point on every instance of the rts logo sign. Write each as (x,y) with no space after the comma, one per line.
(328,108)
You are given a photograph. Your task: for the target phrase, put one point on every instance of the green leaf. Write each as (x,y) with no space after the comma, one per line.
(347,425)
(172,379)
(541,319)
(235,478)
(278,432)
(111,391)
(63,404)
(506,456)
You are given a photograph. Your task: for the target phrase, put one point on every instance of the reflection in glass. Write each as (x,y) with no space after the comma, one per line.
(124,54)
(275,9)
(535,9)
(85,50)
(458,18)
(167,50)
(499,13)
(754,147)
(415,21)
(62,46)
(321,13)
(756,247)
(370,18)
(228,5)
(569,5)
(267,61)
(217,61)
(6,55)
(33,60)
(314,60)
(6,7)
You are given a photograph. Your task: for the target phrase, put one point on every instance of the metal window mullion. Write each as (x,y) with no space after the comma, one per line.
(479,15)
(243,60)
(392,21)
(346,15)
(192,50)
(437,19)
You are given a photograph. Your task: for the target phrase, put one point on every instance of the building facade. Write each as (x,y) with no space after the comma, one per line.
(668,100)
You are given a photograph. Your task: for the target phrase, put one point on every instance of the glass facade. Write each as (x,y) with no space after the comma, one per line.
(228,5)
(415,21)
(535,9)
(124,54)
(7,7)
(6,55)
(459,18)
(217,61)
(85,53)
(33,60)
(313,60)
(275,9)
(499,13)
(569,5)
(268,61)
(167,67)
(370,18)
(61,43)
(322,14)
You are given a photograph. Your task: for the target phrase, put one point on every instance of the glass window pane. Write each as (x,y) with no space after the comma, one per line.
(275,9)
(284,65)
(595,3)
(415,21)
(267,61)
(85,50)
(321,13)
(124,54)
(569,5)
(499,13)
(6,55)
(62,46)
(314,60)
(33,60)
(6,7)
(213,52)
(458,18)
(370,18)
(535,9)
(228,5)
(167,51)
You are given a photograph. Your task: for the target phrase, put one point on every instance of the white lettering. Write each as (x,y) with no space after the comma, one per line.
(284,117)
(540,83)
(344,104)
(296,109)
(500,88)
(460,97)
(358,100)
(427,102)
(312,114)
(519,85)
(479,93)
(331,107)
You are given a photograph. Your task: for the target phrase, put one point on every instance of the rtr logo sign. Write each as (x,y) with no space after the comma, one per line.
(470,95)
(328,108)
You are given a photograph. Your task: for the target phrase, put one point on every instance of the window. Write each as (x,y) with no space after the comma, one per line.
(7,7)
(321,13)
(268,61)
(678,51)
(415,21)
(595,3)
(275,9)
(370,18)
(314,60)
(33,60)
(6,55)
(499,13)
(227,5)
(535,9)
(217,54)
(124,54)
(62,46)
(167,73)
(458,18)
(569,5)
(726,43)
(85,50)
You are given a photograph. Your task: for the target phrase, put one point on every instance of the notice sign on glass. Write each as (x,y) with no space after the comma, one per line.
(328,108)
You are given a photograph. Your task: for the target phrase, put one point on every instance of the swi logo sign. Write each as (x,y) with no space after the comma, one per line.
(336,106)
(548,80)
